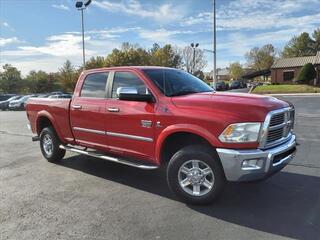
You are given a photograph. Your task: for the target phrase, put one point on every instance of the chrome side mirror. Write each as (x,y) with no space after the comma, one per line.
(126,90)
(132,94)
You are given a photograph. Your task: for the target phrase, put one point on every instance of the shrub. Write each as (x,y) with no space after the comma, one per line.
(307,74)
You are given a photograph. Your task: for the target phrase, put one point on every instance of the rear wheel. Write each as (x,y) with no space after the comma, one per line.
(49,145)
(195,175)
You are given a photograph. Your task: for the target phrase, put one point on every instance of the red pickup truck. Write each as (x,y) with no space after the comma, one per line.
(152,117)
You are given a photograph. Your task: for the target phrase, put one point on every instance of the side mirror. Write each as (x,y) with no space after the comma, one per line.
(132,94)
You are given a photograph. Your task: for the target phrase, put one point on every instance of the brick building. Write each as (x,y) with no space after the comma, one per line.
(287,69)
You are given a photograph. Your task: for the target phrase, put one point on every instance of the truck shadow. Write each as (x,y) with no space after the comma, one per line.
(288,204)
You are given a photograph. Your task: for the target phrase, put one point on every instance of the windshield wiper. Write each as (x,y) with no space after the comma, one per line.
(183,92)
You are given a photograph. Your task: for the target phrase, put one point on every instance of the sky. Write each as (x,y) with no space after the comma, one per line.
(43,34)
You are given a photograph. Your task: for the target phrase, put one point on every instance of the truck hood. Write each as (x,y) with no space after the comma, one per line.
(239,106)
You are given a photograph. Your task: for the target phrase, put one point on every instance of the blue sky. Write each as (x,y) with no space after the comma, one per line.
(42,34)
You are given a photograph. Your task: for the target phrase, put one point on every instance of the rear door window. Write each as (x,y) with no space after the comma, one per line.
(94,85)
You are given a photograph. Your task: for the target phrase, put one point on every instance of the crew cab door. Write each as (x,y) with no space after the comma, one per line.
(88,112)
(130,124)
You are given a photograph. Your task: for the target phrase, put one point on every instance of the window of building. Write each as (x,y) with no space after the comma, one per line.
(94,85)
(288,75)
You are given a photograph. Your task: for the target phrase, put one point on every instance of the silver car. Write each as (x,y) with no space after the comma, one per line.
(4,105)
(20,103)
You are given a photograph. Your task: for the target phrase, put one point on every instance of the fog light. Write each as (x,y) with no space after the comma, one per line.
(252,164)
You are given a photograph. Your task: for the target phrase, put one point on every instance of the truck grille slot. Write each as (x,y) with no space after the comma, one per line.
(280,127)
(275,135)
(277,119)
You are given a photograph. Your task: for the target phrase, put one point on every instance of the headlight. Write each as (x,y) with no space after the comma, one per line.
(241,133)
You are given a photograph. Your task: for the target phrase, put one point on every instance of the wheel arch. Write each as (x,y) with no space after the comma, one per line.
(45,119)
(174,137)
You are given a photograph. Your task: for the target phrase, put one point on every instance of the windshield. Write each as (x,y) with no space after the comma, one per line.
(14,98)
(4,98)
(172,82)
(25,98)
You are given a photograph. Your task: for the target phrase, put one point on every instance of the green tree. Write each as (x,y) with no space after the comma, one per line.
(261,58)
(307,74)
(128,55)
(95,62)
(10,79)
(236,70)
(40,82)
(165,56)
(302,45)
(316,37)
(68,76)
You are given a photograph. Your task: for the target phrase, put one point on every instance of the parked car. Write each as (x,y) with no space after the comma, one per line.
(154,117)
(61,96)
(56,93)
(238,84)
(4,105)
(235,85)
(250,84)
(222,86)
(43,95)
(19,104)
(4,97)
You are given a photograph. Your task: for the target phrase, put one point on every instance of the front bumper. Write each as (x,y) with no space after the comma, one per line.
(3,106)
(266,162)
(14,107)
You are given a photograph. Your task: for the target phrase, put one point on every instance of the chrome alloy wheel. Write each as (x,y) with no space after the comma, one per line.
(196,177)
(47,144)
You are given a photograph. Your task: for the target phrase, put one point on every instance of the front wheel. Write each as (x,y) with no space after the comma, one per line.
(195,175)
(49,145)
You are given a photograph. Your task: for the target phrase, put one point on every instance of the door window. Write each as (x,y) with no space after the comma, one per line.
(94,85)
(127,79)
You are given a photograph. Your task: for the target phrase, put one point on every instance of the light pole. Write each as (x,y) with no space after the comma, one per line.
(214,80)
(194,46)
(211,51)
(82,6)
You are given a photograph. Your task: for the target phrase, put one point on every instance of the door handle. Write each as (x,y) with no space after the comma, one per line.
(76,106)
(113,109)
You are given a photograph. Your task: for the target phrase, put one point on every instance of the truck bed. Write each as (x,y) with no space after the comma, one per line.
(56,110)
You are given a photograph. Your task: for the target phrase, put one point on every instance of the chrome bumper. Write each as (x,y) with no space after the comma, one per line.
(250,165)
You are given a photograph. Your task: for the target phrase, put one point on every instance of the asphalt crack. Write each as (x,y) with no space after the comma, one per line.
(15,134)
(302,165)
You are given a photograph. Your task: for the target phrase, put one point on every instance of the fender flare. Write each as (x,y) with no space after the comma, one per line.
(47,115)
(187,128)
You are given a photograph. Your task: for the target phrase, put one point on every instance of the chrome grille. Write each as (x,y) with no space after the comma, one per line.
(274,135)
(278,126)
(277,119)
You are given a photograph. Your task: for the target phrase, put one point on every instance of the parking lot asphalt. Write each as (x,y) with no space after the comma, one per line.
(87,198)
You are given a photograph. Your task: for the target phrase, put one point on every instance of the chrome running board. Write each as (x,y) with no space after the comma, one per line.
(111,159)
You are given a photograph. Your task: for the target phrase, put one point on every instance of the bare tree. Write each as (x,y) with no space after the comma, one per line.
(261,58)
(199,60)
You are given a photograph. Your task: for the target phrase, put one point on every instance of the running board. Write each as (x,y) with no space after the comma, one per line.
(108,158)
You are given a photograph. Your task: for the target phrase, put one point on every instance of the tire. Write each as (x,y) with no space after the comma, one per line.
(49,145)
(197,190)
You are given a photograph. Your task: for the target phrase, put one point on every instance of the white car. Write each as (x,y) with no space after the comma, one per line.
(20,103)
